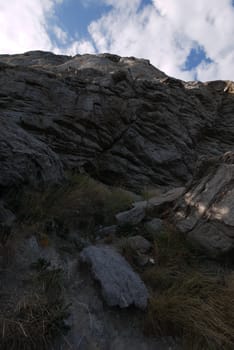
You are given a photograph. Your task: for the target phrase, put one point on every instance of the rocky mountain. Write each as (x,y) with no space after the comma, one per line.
(131,129)
(120,119)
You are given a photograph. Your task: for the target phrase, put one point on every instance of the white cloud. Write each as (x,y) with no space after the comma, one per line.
(211,24)
(26,25)
(60,34)
(23,25)
(164,31)
(167,30)
(80,46)
(123,4)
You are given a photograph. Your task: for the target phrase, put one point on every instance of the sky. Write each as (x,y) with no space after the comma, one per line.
(187,39)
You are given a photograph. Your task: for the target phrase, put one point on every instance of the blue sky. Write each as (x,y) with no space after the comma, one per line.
(185,38)
(75,16)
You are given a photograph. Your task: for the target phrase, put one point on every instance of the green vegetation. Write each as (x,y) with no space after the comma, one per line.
(150,192)
(191,299)
(81,201)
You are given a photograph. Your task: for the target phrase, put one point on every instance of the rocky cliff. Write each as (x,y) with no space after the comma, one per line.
(106,161)
(119,119)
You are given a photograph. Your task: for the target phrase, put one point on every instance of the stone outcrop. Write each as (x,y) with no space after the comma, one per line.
(24,159)
(118,118)
(206,211)
(124,122)
(131,217)
(152,206)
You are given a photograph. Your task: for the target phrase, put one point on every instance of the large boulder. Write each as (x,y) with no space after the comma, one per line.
(120,285)
(141,209)
(164,201)
(205,213)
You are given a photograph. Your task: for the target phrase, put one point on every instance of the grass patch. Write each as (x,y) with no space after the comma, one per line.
(191,298)
(33,324)
(38,318)
(82,202)
(151,192)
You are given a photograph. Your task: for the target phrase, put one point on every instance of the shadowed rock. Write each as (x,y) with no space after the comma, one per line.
(131,217)
(135,215)
(154,227)
(24,159)
(206,211)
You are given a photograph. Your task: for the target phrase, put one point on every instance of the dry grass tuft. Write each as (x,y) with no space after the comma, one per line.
(198,310)
(33,324)
(190,299)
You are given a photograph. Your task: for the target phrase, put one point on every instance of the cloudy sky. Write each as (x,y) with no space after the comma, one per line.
(188,39)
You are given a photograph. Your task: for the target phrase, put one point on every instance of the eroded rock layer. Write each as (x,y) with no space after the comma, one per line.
(119,119)
(206,211)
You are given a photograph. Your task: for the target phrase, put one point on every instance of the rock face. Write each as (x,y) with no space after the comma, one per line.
(123,121)
(121,286)
(140,209)
(206,211)
(24,159)
(131,217)
(120,119)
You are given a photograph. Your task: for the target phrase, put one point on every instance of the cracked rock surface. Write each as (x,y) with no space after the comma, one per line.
(205,212)
(119,118)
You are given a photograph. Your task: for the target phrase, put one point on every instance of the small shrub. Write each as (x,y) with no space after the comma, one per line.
(161,278)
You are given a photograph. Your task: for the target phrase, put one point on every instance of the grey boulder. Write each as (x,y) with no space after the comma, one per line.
(154,227)
(131,217)
(167,197)
(140,209)
(120,285)
(139,244)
